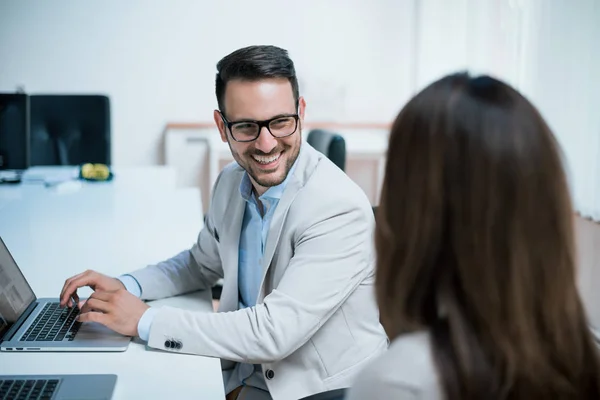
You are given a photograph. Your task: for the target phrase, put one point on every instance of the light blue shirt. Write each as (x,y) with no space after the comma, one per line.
(253,238)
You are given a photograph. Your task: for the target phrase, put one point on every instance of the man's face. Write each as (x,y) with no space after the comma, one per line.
(267,159)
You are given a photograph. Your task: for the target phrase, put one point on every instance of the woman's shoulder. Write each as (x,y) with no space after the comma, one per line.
(406,371)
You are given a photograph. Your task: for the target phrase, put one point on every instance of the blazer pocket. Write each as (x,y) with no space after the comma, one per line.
(345,378)
(335,345)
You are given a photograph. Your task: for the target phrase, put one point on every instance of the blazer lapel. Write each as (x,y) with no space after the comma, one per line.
(230,243)
(277,223)
(287,198)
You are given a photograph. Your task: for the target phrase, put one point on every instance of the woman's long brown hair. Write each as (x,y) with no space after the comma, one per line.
(475,245)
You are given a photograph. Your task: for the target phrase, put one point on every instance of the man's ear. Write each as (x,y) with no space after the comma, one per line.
(301,110)
(220,125)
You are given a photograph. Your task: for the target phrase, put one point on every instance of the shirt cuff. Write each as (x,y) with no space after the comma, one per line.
(145,323)
(131,284)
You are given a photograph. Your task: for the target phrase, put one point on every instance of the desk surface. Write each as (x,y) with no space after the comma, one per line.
(113,229)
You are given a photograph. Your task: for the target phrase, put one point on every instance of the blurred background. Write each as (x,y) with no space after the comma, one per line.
(358,62)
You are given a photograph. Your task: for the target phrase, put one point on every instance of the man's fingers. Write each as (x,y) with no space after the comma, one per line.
(75,298)
(65,295)
(93,316)
(68,291)
(99,300)
(96,305)
(68,283)
(73,285)
(102,295)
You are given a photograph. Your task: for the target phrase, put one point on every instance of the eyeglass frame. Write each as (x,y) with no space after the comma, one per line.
(264,123)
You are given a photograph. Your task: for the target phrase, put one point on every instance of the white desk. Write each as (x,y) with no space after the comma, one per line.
(126,179)
(113,229)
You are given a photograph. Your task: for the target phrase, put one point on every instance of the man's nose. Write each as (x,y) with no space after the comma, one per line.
(265,142)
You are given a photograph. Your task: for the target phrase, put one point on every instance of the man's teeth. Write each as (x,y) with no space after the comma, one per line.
(266,160)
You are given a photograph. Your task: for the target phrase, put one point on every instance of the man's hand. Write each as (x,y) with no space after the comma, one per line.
(89,278)
(118,310)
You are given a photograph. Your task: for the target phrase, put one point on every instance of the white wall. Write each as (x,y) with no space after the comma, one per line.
(562,70)
(549,49)
(156,59)
(479,35)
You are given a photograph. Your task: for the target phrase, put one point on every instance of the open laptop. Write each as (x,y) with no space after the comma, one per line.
(31,324)
(56,387)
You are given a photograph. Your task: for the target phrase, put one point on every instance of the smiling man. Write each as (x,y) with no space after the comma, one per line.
(291,236)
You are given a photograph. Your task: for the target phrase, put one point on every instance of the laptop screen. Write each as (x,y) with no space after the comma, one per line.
(15,293)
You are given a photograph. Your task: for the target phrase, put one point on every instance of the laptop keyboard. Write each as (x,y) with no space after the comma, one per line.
(53,324)
(26,389)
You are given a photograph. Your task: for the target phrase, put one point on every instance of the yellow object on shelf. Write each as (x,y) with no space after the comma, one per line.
(95,172)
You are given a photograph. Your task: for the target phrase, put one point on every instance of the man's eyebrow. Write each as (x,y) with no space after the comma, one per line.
(273,117)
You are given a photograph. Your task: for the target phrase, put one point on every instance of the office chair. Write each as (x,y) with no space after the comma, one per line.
(14,131)
(336,394)
(329,143)
(69,129)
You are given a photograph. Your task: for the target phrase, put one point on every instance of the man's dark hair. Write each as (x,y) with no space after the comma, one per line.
(255,63)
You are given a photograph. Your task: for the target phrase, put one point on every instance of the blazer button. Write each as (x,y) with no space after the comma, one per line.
(269,374)
(179,345)
(168,344)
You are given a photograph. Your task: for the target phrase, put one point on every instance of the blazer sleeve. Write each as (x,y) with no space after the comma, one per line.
(194,269)
(331,259)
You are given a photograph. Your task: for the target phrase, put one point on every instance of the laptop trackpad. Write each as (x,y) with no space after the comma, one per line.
(94,330)
(86,387)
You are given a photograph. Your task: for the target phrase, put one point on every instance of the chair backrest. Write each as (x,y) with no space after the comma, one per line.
(336,394)
(70,129)
(14,131)
(596,335)
(329,143)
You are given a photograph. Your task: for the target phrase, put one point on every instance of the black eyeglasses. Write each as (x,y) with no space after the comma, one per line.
(248,130)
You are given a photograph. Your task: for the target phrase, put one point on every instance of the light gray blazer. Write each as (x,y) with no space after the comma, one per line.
(405,372)
(316,322)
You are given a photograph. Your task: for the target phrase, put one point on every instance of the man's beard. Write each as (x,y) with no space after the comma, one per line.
(267,181)
(246,161)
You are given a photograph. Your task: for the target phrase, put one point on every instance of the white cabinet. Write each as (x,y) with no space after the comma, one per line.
(194,154)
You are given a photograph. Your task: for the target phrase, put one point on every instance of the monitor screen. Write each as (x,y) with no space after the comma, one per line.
(14,131)
(15,293)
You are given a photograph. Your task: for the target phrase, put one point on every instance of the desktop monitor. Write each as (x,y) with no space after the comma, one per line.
(14,131)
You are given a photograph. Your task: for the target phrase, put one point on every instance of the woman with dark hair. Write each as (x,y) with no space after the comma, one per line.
(476,262)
